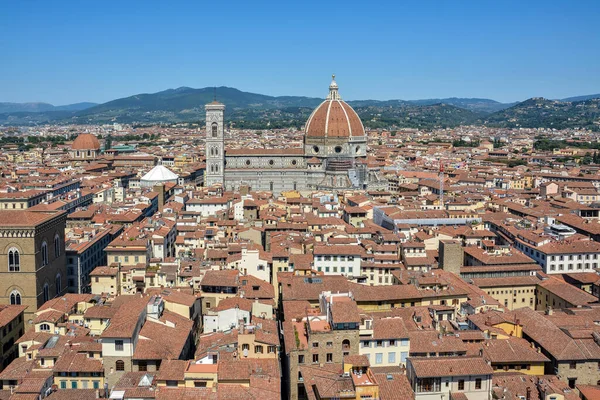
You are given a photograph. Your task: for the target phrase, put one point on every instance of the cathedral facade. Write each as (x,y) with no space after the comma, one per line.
(333,157)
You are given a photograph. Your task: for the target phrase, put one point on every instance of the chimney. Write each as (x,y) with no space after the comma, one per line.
(97,393)
(528,396)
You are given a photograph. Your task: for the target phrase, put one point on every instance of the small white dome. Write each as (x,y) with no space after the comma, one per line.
(159,174)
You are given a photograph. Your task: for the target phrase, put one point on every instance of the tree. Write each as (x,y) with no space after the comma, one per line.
(108,142)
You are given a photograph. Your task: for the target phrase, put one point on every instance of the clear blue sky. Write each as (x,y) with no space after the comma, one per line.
(70,51)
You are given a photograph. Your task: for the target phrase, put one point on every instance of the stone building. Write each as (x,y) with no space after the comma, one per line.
(334,155)
(12,327)
(318,336)
(32,255)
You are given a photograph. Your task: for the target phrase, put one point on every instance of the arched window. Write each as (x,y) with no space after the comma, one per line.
(120,365)
(15,298)
(45,328)
(14,260)
(214,129)
(44,253)
(46,293)
(58,284)
(56,246)
(346,344)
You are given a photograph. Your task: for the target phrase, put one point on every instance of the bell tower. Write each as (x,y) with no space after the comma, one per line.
(215,148)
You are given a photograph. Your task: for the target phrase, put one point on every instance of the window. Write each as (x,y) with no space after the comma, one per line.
(14,260)
(301,359)
(199,384)
(258,349)
(45,327)
(46,292)
(215,128)
(120,365)
(63,384)
(478,383)
(58,284)
(271,349)
(142,366)
(573,365)
(329,357)
(378,358)
(429,385)
(461,384)
(403,356)
(315,344)
(118,345)
(315,358)
(15,297)
(572,382)
(172,383)
(73,384)
(56,246)
(44,253)
(392,358)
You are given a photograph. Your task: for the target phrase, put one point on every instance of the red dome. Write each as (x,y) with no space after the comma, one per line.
(334,118)
(86,141)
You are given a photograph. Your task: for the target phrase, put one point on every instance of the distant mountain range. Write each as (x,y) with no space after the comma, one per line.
(252,110)
(42,107)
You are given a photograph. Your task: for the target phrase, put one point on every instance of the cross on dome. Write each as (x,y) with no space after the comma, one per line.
(333,90)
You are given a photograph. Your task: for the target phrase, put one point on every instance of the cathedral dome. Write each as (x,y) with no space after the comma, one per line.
(86,141)
(334,118)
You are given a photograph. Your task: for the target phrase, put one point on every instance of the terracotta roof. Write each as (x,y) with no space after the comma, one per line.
(334,118)
(25,218)
(344,312)
(449,366)
(394,386)
(9,313)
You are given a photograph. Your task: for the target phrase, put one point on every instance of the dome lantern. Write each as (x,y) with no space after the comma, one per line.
(333,90)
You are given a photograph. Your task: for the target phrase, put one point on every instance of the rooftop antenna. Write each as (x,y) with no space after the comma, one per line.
(215,94)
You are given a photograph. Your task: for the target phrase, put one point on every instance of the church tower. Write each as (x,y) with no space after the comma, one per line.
(215,148)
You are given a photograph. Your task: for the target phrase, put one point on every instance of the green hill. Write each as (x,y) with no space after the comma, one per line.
(252,110)
(538,112)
